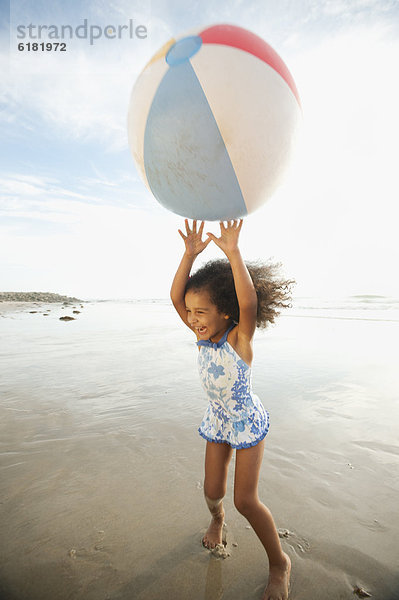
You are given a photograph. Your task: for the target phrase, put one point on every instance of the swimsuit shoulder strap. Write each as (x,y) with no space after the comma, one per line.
(226,333)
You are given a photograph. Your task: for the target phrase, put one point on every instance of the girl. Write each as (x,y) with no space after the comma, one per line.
(222,304)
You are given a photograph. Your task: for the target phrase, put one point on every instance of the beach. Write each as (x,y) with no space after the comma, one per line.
(102,466)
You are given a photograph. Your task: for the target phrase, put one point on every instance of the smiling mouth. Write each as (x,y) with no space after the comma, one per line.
(201,330)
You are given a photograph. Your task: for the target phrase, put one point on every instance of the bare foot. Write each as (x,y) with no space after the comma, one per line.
(213,536)
(279,579)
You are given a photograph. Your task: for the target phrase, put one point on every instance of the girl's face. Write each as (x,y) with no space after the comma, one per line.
(203,315)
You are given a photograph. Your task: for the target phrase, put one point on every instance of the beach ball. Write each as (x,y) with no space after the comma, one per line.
(212,121)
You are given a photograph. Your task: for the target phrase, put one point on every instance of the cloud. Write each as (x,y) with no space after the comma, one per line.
(347,8)
(24,185)
(47,199)
(80,105)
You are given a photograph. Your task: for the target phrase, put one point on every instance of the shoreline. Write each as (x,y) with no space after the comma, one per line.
(30,304)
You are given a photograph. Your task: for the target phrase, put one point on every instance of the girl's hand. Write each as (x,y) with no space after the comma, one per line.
(193,239)
(228,241)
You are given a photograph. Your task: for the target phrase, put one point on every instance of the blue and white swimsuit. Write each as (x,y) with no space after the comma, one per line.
(235,415)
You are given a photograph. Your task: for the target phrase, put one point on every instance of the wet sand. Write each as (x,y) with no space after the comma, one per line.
(102,467)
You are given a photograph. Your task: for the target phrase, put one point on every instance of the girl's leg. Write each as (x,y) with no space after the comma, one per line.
(246,500)
(217,458)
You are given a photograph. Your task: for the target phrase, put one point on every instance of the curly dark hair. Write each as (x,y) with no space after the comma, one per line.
(272,291)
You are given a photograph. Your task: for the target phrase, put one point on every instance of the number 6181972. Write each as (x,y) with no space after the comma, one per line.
(42,46)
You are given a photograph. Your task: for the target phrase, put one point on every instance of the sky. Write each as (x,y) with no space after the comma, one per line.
(75,217)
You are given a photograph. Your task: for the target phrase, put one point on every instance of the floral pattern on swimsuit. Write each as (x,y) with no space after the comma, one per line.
(235,415)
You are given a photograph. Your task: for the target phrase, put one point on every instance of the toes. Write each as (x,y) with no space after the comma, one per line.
(208,544)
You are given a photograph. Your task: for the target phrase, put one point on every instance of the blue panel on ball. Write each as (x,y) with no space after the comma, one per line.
(186,161)
(183,50)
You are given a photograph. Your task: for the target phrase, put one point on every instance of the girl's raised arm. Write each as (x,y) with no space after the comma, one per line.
(194,246)
(245,290)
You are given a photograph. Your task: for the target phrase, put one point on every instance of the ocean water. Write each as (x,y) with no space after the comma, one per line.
(98,438)
(365,307)
(120,358)
(120,353)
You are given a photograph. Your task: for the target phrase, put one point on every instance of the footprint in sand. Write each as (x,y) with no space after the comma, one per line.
(361,592)
(373,525)
(296,542)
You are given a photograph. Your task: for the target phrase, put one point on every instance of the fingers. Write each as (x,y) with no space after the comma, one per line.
(231,224)
(194,226)
(182,234)
(234,224)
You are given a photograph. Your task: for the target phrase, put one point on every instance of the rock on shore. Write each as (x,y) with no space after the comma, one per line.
(35,297)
